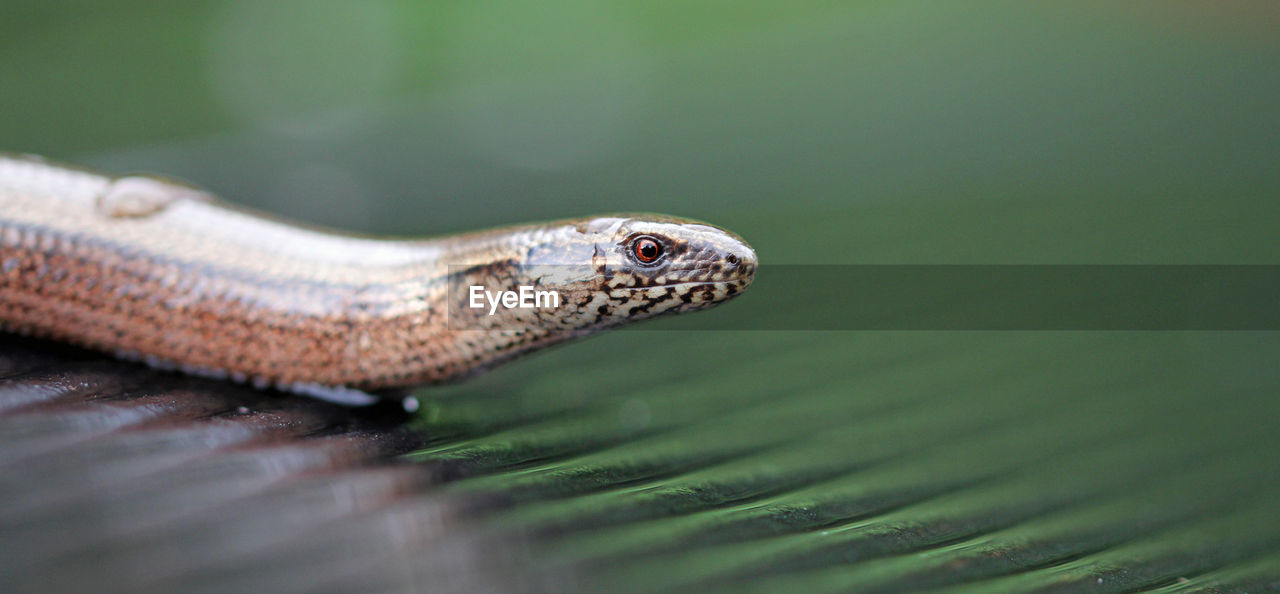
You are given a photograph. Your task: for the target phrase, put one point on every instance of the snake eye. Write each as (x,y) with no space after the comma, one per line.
(646,249)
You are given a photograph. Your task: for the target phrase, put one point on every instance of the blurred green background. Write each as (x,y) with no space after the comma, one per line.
(823,133)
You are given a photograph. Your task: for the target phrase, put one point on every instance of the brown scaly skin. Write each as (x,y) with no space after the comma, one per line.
(162,272)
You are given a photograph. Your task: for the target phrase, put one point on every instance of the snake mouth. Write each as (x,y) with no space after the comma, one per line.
(739,272)
(699,294)
(744,281)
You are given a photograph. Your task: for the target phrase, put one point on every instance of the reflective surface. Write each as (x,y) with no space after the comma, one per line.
(922,462)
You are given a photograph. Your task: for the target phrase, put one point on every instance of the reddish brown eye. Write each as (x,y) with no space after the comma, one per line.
(646,250)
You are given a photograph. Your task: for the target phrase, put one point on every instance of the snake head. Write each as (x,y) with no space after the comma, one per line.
(648,265)
(607,271)
(656,259)
(531,286)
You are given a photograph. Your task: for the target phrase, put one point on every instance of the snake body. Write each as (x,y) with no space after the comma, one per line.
(159,271)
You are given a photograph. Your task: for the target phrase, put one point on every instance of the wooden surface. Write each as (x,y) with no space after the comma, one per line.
(119,478)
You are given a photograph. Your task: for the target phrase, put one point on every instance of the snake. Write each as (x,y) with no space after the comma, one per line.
(152,269)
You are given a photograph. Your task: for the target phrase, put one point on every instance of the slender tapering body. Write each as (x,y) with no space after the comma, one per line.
(156,270)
